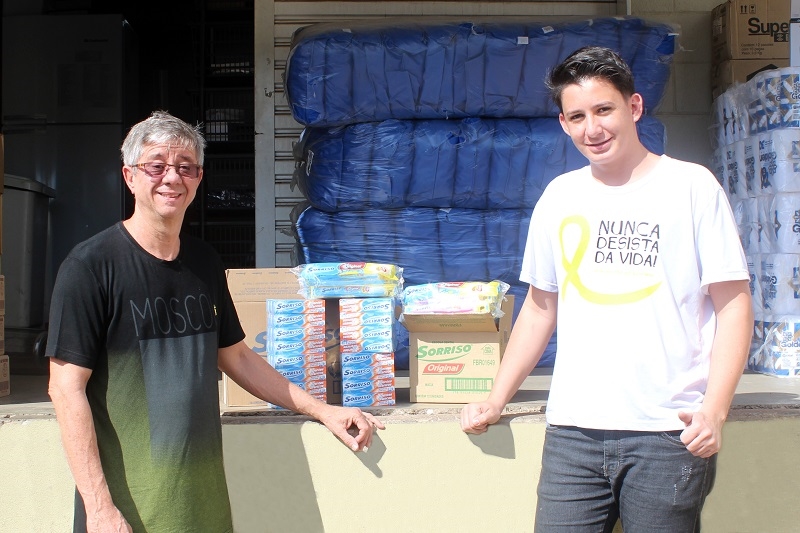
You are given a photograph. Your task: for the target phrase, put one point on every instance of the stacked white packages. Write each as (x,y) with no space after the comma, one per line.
(757,161)
(366,332)
(296,343)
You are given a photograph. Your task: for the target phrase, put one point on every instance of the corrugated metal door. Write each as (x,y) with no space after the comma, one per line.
(276,131)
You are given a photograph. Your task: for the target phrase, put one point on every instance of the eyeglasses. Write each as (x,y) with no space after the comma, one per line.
(156,169)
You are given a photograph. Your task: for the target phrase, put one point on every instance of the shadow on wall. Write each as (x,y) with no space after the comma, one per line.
(256,488)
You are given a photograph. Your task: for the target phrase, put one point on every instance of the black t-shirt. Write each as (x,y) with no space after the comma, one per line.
(150,330)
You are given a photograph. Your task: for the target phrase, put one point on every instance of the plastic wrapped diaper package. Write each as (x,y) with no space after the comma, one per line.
(778,354)
(371,71)
(768,102)
(757,133)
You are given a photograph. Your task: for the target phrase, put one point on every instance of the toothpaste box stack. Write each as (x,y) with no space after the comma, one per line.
(296,342)
(366,332)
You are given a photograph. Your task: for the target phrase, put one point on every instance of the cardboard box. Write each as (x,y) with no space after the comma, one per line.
(2,334)
(728,73)
(250,288)
(750,29)
(454,357)
(2,294)
(5,376)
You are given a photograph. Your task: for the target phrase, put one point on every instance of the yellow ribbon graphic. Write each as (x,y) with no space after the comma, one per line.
(572,267)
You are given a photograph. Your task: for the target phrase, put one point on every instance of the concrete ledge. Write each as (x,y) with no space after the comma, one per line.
(422,474)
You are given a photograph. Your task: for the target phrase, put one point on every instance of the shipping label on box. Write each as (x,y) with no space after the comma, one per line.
(261,284)
(750,29)
(5,376)
(455,358)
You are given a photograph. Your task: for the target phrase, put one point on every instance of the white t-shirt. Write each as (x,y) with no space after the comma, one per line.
(632,265)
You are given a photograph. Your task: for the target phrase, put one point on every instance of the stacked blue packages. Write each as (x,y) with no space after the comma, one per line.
(368,72)
(431,244)
(470,163)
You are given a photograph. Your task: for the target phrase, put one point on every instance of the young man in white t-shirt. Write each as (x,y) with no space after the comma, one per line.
(638,259)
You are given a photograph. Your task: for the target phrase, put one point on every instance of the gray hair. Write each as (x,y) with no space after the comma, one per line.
(162,128)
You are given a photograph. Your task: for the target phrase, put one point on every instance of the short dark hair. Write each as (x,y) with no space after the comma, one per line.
(587,63)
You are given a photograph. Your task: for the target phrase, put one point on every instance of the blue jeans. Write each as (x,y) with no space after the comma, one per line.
(590,478)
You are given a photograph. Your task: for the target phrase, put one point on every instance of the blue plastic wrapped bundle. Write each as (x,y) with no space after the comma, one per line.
(471,163)
(369,71)
(520,291)
(430,245)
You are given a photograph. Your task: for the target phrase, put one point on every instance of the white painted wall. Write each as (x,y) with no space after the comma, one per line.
(422,475)
(686,108)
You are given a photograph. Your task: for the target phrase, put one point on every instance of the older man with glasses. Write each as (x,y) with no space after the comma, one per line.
(141,320)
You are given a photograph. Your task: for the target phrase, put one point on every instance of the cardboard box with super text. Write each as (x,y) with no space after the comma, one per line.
(454,357)
(750,29)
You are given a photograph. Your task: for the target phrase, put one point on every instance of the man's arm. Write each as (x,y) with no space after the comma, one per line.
(260,379)
(67,390)
(532,330)
(734,310)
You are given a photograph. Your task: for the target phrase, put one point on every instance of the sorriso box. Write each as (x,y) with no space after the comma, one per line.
(750,29)
(454,357)
(250,289)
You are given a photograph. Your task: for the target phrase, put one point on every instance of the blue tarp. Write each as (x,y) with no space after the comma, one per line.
(470,163)
(431,245)
(367,72)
